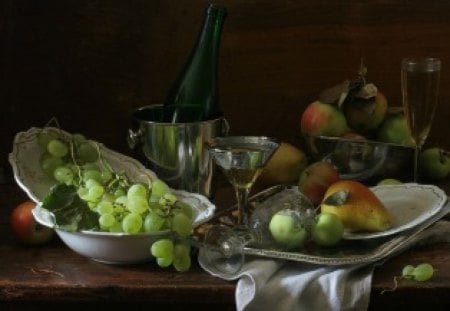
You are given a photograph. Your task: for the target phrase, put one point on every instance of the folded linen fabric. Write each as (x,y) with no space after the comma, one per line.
(269,284)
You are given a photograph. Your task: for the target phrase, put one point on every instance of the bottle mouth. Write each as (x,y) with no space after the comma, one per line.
(216,9)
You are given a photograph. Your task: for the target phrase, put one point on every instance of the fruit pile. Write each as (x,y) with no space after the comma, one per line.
(98,198)
(342,205)
(357,110)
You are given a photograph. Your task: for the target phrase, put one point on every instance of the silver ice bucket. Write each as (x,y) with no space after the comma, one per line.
(176,151)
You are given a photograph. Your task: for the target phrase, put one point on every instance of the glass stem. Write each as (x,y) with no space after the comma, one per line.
(242,200)
(416,163)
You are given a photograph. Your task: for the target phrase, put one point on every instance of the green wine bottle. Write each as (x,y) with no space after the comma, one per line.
(194,95)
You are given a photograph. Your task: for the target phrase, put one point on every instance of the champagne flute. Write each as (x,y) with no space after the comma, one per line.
(420,88)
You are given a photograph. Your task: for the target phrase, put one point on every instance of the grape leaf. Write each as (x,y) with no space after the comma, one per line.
(71,213)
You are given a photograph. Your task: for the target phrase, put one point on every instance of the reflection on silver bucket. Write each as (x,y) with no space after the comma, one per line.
(175,151)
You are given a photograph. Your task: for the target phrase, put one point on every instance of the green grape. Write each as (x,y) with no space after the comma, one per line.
(170,198)
(82,192)
(122,200)
(119,193)
(164,262)
(159,189)
(408,271)
(108,197)
(92,174)
(50,163)
(57,148)
(154,206)
(95,192)
(181,258)
(116,227)
(185,209)
(423,272)
(181,224)
(153,222)
(118,209)
(137,205)
(87,152)
(91,183)
(106,220)
(45,136)
(137,190)
(105,207)
(78,138)
(63,174)
(106,176)
(132,223)
(162,248)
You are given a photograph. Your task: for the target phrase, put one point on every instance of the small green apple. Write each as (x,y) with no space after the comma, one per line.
(395,130)
(434,163)
(327,230)
(287,230)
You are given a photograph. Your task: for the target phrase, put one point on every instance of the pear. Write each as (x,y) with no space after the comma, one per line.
(357,207)
(284,167)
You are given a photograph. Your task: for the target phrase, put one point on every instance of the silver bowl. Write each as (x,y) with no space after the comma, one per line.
(363,160)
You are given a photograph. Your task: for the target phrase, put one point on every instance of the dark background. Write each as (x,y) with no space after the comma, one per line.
(90,63)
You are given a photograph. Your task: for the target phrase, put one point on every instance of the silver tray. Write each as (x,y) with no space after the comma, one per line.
(348,251)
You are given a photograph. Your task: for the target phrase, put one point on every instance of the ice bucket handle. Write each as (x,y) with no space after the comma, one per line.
(225,127)
(133,138)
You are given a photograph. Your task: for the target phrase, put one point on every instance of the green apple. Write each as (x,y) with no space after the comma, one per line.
(434,163)
(395,130)
(327,230)
(287,230)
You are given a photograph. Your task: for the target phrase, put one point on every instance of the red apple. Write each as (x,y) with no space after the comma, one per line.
(315,180)
(25,228)
(320,119)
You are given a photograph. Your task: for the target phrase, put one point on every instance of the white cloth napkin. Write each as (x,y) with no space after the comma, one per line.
(266,284)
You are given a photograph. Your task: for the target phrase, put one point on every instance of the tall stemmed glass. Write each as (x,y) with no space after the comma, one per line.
(241,159)
(420,88)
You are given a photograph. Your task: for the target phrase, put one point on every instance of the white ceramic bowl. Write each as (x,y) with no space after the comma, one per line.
(106,247)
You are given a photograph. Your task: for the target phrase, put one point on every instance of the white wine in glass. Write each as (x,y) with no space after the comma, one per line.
(420,88)
(242,159)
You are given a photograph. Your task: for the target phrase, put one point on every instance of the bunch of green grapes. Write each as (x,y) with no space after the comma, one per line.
(121,205)
(172,252)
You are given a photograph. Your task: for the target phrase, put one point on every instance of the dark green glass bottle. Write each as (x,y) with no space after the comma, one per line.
(194,95)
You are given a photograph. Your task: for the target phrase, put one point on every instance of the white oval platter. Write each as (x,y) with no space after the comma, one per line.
(409,204)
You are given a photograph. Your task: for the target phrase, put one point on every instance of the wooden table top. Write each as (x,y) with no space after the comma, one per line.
(54,275)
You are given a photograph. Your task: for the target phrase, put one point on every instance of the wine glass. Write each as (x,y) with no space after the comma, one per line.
(420,88)
(225,247)
(242,159)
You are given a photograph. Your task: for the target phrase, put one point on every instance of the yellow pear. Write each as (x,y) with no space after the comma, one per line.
(357,207)
(284,167)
